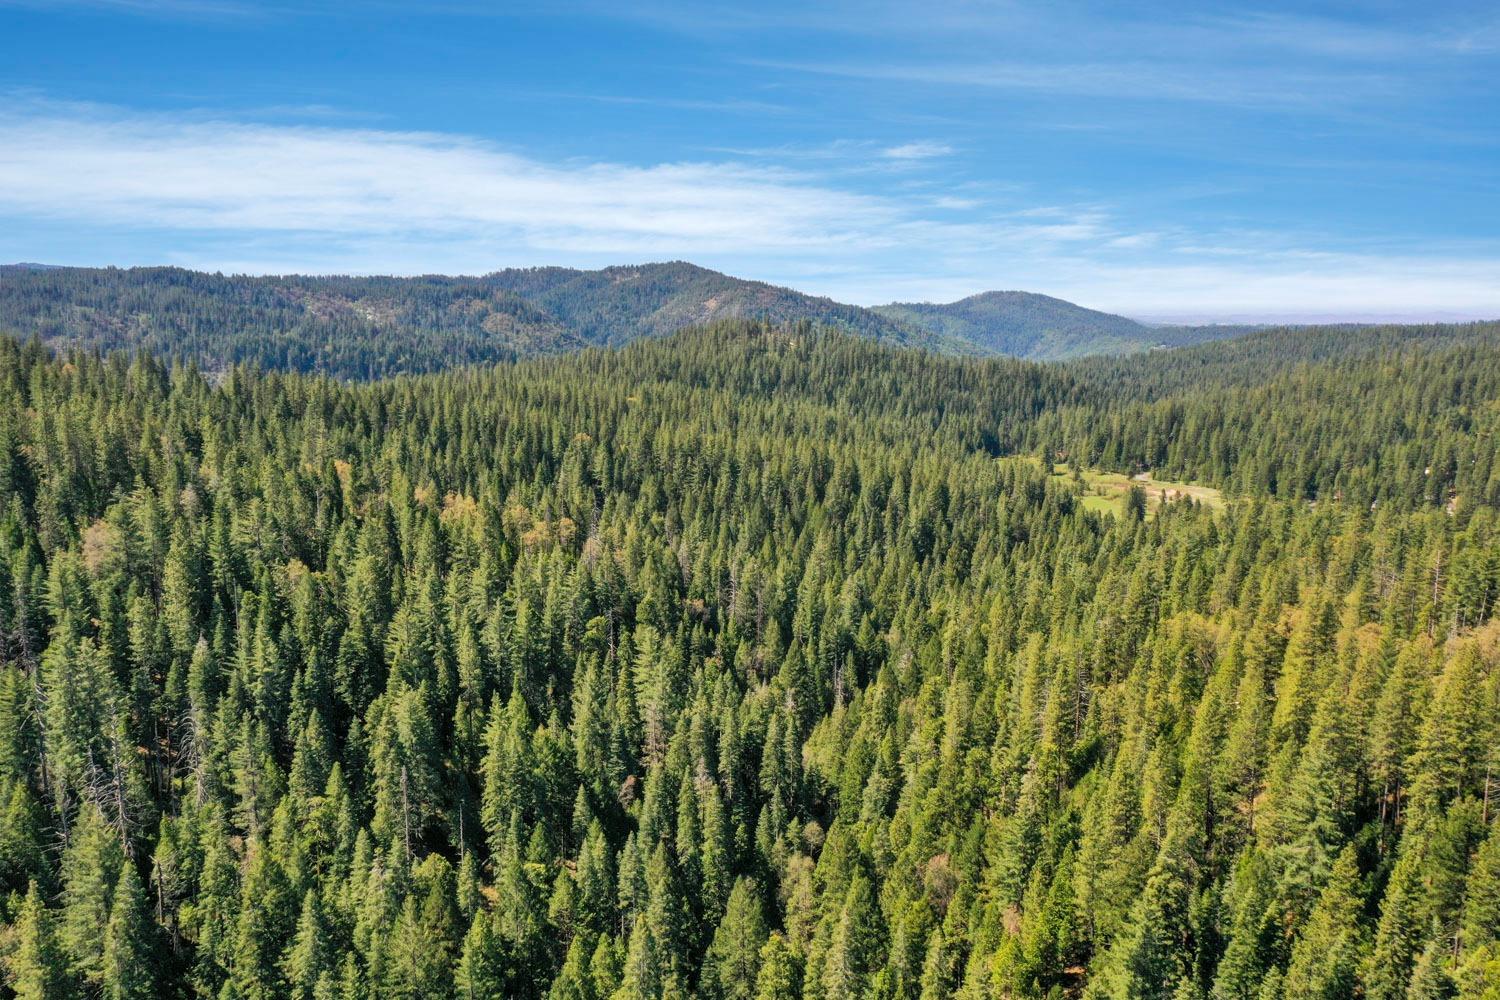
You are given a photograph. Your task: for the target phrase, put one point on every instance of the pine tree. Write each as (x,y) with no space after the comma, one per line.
(37,964)
(1454,735)
(1481,922)
(1401,936)
(716,862)
(574,980)
(854,951)
(643,976)
(1145,963)
(264,928)
(407,782)
(606,967)
(129,960)
(310,962)
(1312,823)
(594,902)
(779,978)
(422,946)
(1431,978)
(90,872)
(481,968)
(1329,952)
(733,961)
(521,921)
(667,914)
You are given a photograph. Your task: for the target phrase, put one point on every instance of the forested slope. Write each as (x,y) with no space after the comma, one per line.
(1027,325)
(744,664)
(360,328)
(353,328)
(1371,415)
(615,305)
(1043,328)
(1255,356)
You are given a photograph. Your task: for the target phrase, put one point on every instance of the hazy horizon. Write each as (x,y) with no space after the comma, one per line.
(1205,318)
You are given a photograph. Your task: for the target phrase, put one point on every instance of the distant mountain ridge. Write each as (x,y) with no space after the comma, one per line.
(618,304)
(1027,325)
(368,327)
(350,327)
(1042,328)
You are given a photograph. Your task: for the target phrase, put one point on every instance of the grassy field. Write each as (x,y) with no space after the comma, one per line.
(1106,491)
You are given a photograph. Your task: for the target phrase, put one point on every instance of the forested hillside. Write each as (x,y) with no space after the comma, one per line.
(362,328)
(1026,325)
(369,327)
(1368,414)
(620,304)
(753,663)
(353,328)
(1042,328)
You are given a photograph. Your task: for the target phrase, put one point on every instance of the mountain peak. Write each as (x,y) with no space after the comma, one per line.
(421,323)
(1026,325)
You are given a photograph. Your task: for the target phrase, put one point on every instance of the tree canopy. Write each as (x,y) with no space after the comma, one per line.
(755,662)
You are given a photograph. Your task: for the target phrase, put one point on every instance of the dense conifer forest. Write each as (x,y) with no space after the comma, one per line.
(1025,325)
(754,663)
(357,328)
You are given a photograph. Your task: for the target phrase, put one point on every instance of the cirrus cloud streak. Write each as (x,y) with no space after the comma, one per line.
(257,196)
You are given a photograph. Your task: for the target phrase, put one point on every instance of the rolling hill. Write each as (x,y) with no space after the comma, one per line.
(368,327)
(619,304)
(1042,328)
(348,327)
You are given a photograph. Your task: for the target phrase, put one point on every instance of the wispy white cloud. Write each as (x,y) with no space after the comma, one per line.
(730,105)
(845,153)
(1480,39)
(1264,87)
(195,174)
(234,194)
(917,151)
(1191,32)
(955,204)
(1271,287)
(1325,37)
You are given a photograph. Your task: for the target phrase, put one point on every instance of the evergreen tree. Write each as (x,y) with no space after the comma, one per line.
(91,871)
(36,963)
(537,681)
(310,963)
(778,978)
(1330,951)
(1401,935)
(130,971)
(733,961)
(1481,922)
(481,969)
(854,952)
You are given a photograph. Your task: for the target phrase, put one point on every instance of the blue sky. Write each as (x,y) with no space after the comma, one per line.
(1186,161)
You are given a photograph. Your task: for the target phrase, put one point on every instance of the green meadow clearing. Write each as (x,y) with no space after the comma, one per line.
(1106,492)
